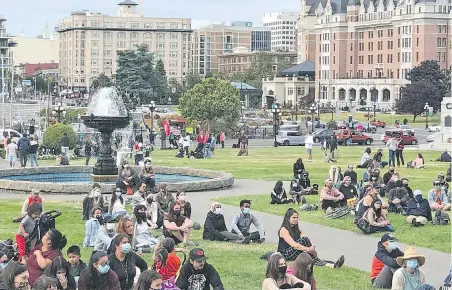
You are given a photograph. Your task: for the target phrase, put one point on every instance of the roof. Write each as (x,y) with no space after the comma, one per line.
(338,6)
(128,2)
(305,68)
(31,68)
(243,86)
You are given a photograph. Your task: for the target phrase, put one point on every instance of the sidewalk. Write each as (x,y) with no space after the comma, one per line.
(358,249)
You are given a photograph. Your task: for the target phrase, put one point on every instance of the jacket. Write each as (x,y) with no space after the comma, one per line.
(65,141)
(23,144)
(33,147)
(91,230)
(109,281)
(213,225)
(241,224)
(127,274)
(349,191)
(103,239)
(400,193)
(190,279)
(353,175)
(89,202)
(443,197)
(383,257)
(421,208)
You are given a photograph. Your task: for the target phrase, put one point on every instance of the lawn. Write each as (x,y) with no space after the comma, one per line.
(430,236)
(239,266)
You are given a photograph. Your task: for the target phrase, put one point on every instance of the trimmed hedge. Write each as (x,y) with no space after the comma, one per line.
(54,134)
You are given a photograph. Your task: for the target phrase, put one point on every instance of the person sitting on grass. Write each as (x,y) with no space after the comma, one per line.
(77,265)
(139,197)
(389,174)
(384,262)
(305,183)
(438,198)
(278,194)
(198,274)
(60,269)
(398,198)
(376,216)
(330,197)
(241,223)
(154,215)
(367,174)
(93,199)
(215,228)
(126,178)
(296,191)
(147,175)
(378,158)
(164,198)
(33,198)
(166,262)
(335,175)
(105,234)
(348,190)
(443,182)
(98,274)
(352,174)
(185,207)
(365,159)
(92,227)
(418,162)
(409,275)
(277,278)
(418,210)
(406,185)
(143,238)
(293,242)
(117,206)
(303,269)
(176,226)
(392,183)
(298,168)
(27,226)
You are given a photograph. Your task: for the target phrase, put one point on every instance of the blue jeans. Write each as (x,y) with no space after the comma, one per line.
(33,159)
(383,164)
(392,157)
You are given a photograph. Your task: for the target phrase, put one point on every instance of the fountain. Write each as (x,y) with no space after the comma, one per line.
(106,113)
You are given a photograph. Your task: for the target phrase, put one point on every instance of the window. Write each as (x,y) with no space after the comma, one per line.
(351,59)
(417,56)
(438,42)
(438,56)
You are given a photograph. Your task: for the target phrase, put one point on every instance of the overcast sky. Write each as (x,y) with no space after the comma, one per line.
(22,16)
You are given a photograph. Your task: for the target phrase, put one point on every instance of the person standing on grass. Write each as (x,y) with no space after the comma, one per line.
(11,152)
(399,151)
(392,145)
(32,152)
(222,138)
(24,147)
(65,145)
(308,142)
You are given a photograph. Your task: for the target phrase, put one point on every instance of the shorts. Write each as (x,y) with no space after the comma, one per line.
(168,234)
(308,151)
(12,158)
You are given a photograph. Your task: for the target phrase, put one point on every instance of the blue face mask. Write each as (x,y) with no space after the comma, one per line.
(125,248)
(412,264)
(392,245)
(246,210)
(3,265)
(103,269)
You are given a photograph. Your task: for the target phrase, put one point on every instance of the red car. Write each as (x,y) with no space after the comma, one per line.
(357,137)
(408,137)
(378,123)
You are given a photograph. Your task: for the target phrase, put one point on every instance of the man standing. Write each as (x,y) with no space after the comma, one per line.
(241,223)
(32,152)
(244,143)
(399,151)
(88,147)
(186,143)
(24,147)
(392,145)
(308,142)
(163,138)
(384,262)
(65,145)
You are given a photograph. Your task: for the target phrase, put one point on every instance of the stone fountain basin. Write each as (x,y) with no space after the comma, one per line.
(215,180)
(105,122)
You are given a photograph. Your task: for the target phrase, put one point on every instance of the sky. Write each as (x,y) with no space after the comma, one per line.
(31,19)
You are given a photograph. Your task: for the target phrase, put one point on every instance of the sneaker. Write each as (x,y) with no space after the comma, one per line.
(303,200)
(339,262)
(329,211)
(247,240)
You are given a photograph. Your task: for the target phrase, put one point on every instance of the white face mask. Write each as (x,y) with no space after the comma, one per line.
(218,210)
(110,227)
(97,193)
(118,193)
(148,166)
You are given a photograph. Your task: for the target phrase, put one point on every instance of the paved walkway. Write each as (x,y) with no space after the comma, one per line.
(331,243)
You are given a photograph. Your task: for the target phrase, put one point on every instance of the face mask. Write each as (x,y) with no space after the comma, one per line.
(110,227)
(3,265)
(181,197)
(125,248)
(418,197)
(118,193)
(99,218)
(142,213)
(396,179)
(282,270)
(103,269)
(412,264)
(177,212)
(22,286)
(97,193)
(148,166)
(218,210)
(246,210)
(149,200)
(392,245)
(391,170)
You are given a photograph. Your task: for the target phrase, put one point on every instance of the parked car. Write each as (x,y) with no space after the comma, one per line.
(430,138)
(405,127)
(434,128)
(367,127)
(357,137)
(11,133)
(319,136)
(287,138)
(378,123)
(408,137)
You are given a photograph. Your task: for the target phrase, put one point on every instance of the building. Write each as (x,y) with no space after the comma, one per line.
(290,85)
(283,27)
(217,39)
(366,49)
(241,58)
(44,69)
(35,50)
(306,37)
(90,42)
(5,53)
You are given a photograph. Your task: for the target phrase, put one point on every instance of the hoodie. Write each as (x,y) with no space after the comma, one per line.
(383,257)
(33,147)
(213,225)
(191,279)
(23,144)
(93,199)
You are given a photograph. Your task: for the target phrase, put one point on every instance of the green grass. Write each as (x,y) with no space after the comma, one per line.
(429,236)
(239,266)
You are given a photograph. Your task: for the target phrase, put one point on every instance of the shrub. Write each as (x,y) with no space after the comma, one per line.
(53,135)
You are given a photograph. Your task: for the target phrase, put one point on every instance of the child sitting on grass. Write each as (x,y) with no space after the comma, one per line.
(77,265)
(26,228)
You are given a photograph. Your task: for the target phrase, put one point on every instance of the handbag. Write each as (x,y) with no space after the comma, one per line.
(363,224)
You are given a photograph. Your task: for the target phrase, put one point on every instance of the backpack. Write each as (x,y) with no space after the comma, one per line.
(441,218)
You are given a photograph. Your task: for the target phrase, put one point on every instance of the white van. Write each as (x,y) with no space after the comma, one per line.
(11,133)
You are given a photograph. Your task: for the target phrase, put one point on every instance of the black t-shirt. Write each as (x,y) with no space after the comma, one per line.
(126,270)
(178,221)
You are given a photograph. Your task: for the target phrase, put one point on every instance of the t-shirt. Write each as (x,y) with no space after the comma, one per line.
(404,280)
(34,269)
(12,148)
(179,221)
(28,224)
(308,142)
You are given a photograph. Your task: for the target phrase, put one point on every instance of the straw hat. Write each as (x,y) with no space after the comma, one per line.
(411,253)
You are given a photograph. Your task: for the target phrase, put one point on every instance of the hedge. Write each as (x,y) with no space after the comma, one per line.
(54,134)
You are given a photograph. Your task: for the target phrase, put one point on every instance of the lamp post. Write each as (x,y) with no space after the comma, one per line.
(313,110)
(426,115)
(242,109)
(276,111)
(59,110)
(332,111)
(368,116)
(152,109)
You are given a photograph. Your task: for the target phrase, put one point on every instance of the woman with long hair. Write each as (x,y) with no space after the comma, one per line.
(277,278)
(46,283)
(117,206)
(303,269)
(149,280)
(142,229)
(14,276)
(60,269)
(98,275)
(292,242)
(278,194)
(335,175)
(377,218)
(298,168)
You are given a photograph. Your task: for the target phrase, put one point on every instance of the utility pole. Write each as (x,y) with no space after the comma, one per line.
(12,90)
(3,90)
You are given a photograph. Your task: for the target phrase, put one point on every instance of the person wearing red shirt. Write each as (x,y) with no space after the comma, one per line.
(384,262)
(172,264)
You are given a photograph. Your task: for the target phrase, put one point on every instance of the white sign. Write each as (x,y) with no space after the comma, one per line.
(26,82)
(173,90)
(18,89)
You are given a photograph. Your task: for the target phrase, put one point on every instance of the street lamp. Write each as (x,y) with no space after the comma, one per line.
(426,115)
(313,110)
(242,109)
(152,109)
(368,115)
(59,110)
(276,111)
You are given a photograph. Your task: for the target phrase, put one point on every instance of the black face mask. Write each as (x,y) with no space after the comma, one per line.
(282,270)
(100,219)
(392,170)
(177,213)
(149,200)
(142,214)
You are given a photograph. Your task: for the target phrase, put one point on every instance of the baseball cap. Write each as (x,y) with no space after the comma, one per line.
(197,254)
(417,192)
(387,237)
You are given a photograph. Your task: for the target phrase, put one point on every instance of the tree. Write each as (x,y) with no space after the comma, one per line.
(54,134)
(192,79)
(102,81)
(213,99)
(261,67)
(160,68)
(41,85)
(415,95)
